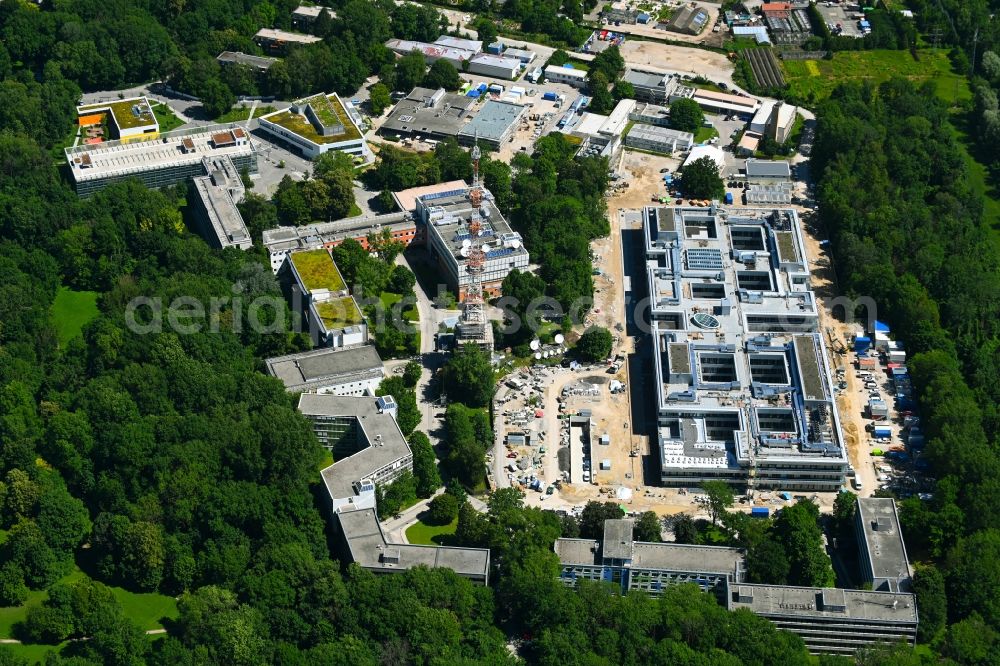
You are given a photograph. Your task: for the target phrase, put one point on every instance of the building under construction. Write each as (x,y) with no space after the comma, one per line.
(742,384)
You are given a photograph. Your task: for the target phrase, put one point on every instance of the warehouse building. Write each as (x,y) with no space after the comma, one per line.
(658,139)
(353,371)
(832,620)
(566,74)
(743,388)
(449,41)
(360,540)
(524,56)
(259,64)
(324,299)
(429,114)
(215,206)
(649,567)
(432,52)
(316,125)
(279,41)
(689,20)
(499,67)
(720,102)
(175,157)
(771,193)
(493,125)
(766,172)
(368,447)
(281,241)
(447,217)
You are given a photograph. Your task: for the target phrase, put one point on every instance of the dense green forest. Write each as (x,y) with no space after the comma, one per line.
(907,230)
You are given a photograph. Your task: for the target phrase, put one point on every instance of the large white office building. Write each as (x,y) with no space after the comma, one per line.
(743,389)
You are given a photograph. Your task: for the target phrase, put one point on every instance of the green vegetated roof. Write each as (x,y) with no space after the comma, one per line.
(339,313)
(786,246)
(128,113)
(317,270)
(328,109)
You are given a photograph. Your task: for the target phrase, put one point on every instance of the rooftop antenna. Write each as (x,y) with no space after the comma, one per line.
(473,327)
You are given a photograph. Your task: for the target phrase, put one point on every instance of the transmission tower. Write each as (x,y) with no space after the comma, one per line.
(473,326)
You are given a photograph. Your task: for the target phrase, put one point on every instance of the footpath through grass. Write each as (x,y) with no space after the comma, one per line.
(814,80)
(71,311)
(422,534)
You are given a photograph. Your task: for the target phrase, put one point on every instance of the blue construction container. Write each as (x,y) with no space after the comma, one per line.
(550,96)
(882,431)
(496,48)
(643,18)
(760,512)
(729,201)
(862,344)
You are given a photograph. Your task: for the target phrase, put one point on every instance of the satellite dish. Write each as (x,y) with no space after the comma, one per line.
(514,243)
(485,211)
(466,243)
(559,338)
(486,247)
(538,356)
(535,344)
(464,251)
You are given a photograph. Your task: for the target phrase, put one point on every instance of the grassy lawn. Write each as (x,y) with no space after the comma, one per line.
(327,459)
(241,113)
(421,533)
(145,609)
(817,78)
(166,117)
(705,133)
(978,178)
(71,310)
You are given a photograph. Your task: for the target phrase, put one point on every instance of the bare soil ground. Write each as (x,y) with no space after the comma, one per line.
(711,65)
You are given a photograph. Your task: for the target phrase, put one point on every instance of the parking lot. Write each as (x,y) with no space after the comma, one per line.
(839,18)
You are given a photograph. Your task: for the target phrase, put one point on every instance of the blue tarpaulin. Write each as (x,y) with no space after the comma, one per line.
(881,327)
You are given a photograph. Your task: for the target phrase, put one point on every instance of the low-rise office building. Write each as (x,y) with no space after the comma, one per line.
(259,64)
(742,384)
(566,74)
(658,139)
(637,565)
(832,620)
(650,86)
(360,540)
(367,445)
(884,562)
(122,120)
(447,217)
(720,102)
(524,56)
(316,125)
(650,114)
(493,125)
(324,300)
(279,41)
(352,371)
(281,241)
(215,205)
(429,114)
(173,158)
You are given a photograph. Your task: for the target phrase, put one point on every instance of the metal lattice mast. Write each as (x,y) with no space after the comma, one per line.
(472,311)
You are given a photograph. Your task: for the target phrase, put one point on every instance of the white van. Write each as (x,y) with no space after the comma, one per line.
(857,483)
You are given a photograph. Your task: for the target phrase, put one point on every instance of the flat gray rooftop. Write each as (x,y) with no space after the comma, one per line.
(342,474)
(426,111)
(829,603)
(493,121)
(882,538)
(219,192)
(582,552)
(370,549)
(768,168)
(689,558)
(453,228)
(617,543)
(644,79)
(319,367)
(311,236)
(240,58)
(115,158)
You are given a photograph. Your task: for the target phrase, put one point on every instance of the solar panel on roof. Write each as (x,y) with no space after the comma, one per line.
(705,259)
